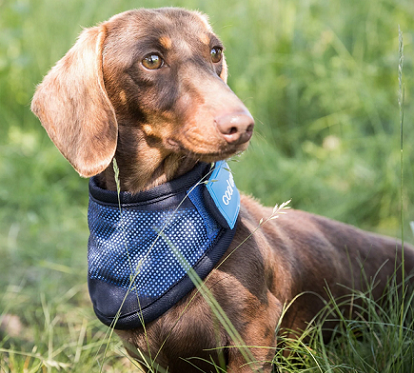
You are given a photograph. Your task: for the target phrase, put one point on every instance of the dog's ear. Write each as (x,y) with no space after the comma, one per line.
(74,108)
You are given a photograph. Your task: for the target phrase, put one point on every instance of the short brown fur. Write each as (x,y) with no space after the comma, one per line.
(99,102)
(166,42)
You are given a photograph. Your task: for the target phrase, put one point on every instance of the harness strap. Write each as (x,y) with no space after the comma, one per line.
(139,255)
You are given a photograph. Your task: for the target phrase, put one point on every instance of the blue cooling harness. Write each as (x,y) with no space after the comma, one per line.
(142,245)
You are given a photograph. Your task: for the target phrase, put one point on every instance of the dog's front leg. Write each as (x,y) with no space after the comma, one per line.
(259,339)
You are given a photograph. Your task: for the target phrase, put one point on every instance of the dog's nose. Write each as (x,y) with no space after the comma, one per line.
(235,128)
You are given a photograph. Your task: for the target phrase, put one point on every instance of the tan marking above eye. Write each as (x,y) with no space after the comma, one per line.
(166,42)
(205,39)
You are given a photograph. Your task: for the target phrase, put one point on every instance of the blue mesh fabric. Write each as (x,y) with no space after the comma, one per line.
(128,245)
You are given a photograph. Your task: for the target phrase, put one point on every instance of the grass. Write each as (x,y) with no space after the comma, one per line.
(377,340)
(321,81)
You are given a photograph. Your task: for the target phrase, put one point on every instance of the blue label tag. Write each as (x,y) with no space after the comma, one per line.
(224,192)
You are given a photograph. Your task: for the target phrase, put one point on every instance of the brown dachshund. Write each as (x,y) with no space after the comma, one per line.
(148,87)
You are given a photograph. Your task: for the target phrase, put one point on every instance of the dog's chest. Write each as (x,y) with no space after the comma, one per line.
(148,252)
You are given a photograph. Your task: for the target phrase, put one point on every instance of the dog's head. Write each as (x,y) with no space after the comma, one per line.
(146,83)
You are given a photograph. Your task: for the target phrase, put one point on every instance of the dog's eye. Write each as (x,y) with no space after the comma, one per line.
(152,62)
(216,54)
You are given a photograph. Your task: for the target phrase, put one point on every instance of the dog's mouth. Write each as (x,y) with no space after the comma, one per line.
(205,152)
(225,136)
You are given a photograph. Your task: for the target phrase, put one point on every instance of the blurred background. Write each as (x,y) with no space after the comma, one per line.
(320,78)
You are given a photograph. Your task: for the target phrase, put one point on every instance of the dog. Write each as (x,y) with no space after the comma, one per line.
(148,88)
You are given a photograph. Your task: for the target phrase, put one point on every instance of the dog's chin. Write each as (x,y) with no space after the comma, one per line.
(206,154)
(209,158)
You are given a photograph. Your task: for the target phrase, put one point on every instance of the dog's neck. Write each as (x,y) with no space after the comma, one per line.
(144,168)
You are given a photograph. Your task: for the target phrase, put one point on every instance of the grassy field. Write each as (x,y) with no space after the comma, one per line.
(320,78)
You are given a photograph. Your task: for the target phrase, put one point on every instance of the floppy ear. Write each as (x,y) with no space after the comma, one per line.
(74,108)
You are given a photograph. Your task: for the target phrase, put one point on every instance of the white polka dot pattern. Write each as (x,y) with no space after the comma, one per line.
(127,245)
